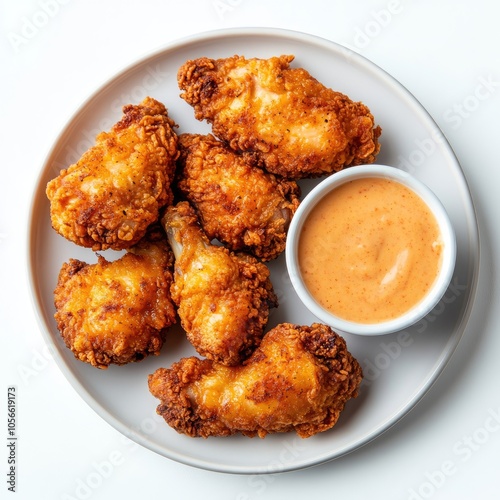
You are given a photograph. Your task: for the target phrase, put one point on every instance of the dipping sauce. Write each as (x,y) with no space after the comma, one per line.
(370,250)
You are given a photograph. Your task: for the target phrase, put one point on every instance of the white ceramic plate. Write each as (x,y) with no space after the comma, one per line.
(399,368)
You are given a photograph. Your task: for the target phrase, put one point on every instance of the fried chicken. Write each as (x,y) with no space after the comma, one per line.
(281,117)
(239,204)
(300,379)
(115,190)
(223,298)
(117,312)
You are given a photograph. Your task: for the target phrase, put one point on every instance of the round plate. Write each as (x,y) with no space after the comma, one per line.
(398,368)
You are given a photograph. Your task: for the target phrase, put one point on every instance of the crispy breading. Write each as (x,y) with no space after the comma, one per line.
(117,312)
(299,379)
(116,189)
(223,298)
(242,206)
(281,117)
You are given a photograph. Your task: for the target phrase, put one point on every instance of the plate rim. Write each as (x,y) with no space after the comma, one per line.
(31,235)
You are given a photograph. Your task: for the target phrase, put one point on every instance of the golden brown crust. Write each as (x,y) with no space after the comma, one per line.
(239,204)
(117,312)
(223,298)
(116,189)
(282,118)
(299,379)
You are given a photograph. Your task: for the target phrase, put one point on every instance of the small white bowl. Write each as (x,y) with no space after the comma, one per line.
(440,284)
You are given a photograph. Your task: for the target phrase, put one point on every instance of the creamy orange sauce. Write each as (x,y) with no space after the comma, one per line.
(370,250)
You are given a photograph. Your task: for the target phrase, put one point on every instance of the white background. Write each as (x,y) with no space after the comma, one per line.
(55,53)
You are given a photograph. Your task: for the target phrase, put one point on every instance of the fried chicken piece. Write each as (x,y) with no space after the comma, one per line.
(239,204)
(117,312)
(115,190)
(223,298)
(299,379)
(281,117)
